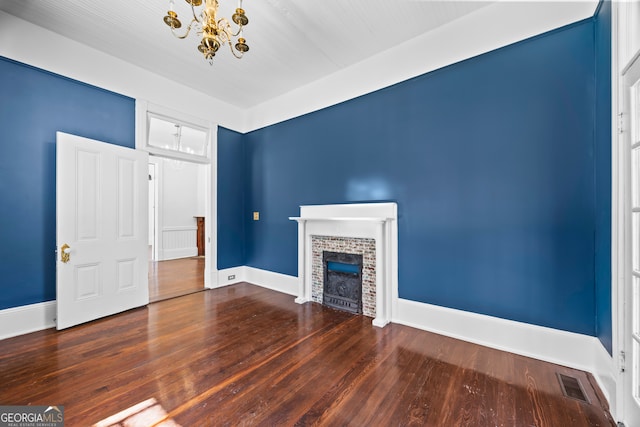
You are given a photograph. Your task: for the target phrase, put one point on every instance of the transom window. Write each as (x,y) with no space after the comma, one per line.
(176,139)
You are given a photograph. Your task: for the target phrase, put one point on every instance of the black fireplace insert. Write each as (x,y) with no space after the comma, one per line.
(342,288)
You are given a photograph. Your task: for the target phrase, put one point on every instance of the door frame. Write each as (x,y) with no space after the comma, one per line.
(618,224)
(621,59)
(143,109)
(153,190)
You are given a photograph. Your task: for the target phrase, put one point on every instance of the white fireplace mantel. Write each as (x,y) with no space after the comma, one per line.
(359,220)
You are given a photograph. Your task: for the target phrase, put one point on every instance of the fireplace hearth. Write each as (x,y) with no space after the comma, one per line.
(342,284)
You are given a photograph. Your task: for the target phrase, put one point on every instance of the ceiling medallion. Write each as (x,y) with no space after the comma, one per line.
(214,32)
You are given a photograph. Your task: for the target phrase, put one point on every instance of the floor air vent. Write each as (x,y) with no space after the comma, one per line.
(571,387)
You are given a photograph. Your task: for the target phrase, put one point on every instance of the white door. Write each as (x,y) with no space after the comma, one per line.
(631,336)
(101,229)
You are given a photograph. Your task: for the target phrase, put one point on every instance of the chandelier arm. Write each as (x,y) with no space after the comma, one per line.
(238,32)
(195,17)
(225,25)
(184,36)
(233,52)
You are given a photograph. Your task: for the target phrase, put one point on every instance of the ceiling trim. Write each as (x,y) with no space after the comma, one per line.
(489,28)
(486,29)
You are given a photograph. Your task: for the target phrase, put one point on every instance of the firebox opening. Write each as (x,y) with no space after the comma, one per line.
(342,288)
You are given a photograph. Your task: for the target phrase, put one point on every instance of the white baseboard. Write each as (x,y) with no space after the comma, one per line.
(229,276)
(266,279)
(169,254)
(27,318)
(570,349)
(276,281)
(604,371)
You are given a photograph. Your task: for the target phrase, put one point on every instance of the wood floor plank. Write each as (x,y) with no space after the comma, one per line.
(175,277)
(245,355)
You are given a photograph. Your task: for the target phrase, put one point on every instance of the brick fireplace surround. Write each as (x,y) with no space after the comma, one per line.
(347,245)
(348,226)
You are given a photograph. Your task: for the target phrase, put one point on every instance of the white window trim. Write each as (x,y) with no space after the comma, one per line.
(162,113)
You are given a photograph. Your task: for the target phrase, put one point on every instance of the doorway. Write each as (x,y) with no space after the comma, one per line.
(177,142)
(177,197)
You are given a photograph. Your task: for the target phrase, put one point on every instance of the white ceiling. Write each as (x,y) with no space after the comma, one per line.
(295,44)
(292,42)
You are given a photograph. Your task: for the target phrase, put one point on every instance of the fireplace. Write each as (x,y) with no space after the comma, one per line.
(342,281)
(348,252)
(372,229)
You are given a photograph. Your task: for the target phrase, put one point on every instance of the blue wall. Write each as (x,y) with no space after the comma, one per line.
(231,193)
(491,162)
(500,166)
(603,175)
(34,104)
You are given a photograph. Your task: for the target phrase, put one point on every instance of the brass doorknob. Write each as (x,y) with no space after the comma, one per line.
(65,253)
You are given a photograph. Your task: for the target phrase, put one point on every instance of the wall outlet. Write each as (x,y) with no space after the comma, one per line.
(231,277)
(256,216)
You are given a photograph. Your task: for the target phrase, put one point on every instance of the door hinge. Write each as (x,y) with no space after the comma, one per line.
(622,361)
(620,123)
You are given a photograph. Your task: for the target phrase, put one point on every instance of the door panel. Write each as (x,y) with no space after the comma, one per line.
(126,199)
(631,327)
(101,214)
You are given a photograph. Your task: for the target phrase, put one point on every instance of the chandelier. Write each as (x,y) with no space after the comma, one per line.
(214,32)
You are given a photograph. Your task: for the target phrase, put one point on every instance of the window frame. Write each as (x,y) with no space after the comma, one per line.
(159,113)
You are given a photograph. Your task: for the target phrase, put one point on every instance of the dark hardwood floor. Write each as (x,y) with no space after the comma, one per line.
(243,355)
(176,277)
